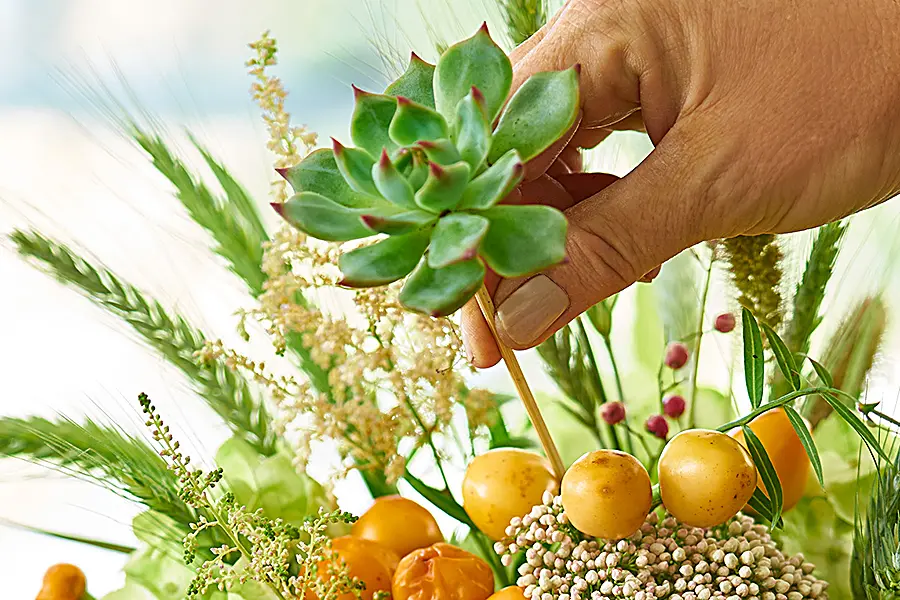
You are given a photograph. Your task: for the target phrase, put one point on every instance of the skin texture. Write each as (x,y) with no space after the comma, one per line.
(705,477)
(607,494)
(399,524)
(505,483)
(762,123)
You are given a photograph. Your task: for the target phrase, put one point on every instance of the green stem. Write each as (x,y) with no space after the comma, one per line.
(581,332)
(786,399)
(890,420)
(629,442)
(696,365)
(430,441)
(492,558)
(641,440)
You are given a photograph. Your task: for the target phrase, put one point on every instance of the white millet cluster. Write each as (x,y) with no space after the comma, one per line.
(737,560)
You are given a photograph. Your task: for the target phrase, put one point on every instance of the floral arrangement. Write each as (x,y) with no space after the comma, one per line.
(679,493)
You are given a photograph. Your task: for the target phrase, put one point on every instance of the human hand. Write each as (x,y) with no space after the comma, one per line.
(768,116)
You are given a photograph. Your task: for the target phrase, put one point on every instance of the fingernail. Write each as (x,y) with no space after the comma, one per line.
(531,309)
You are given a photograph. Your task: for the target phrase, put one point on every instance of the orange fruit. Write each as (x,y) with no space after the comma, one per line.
(442,572)
(512,592)
(399,524)
(369,561)
(62,582)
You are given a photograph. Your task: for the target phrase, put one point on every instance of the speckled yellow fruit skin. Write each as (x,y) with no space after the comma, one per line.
(505,483)
(705,477)
(512,592)
(62,582)
(606,494)
(774,430)
(399,524)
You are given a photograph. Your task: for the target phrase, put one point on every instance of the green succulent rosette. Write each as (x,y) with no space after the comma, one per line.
(434,157)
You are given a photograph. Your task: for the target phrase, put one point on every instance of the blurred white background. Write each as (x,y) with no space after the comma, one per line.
(66,171)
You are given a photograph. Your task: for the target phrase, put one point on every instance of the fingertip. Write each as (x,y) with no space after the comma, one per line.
(481,349)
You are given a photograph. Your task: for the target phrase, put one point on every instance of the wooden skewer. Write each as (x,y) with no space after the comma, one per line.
(486,304)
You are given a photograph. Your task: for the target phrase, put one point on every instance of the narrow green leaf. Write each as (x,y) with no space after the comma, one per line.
(398,223)
(522,240)
(847,414)
(416,83)
(319,173)
(495,184)
(823,373)
(441,292)
(442,152)
(472,129)
(783,356)
(355,165)
(323,218)
(441,499)
(478,62)
(444,187)
(766,472)
(754,367)
(807,440)
(383,262)
(413,123)
(392,184)
(372,116)
(538,114)
(760,503)
(456,238)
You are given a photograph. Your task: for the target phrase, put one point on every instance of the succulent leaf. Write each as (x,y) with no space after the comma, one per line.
(495,184)
(440,292)
(355,164)
(319,173)
(323,218)
(477,61)
(456,238)
(472,129)
(416,83)
(538,114)
(523,240)
(414,122)
(392,184)
(418,171)
(442,152)
(398,223)
(444,187)
(371,119)
(383,262)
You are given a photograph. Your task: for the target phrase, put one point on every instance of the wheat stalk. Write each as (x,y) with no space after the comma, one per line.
(523,18)
(755,265)
(225,391)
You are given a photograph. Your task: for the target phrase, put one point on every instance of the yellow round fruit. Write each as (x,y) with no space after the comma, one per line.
(512,592)
(502,484)
(774,430)
(369,561)
(62,582)
(399,524)
(705,477)
(607,494)
(442,572)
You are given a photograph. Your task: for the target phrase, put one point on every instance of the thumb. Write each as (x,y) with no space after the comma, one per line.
(615,237)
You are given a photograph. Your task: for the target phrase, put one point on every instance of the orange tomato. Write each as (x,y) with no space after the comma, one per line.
(512,592)
(399,524)
(442,572)
(785,450)
(369,561)
(62,582)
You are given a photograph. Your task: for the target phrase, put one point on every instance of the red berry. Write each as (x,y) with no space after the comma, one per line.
(674,406)
(658,426)
(725,323)
(676,355)
(613,412)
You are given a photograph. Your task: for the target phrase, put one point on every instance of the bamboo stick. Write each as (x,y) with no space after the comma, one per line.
(486,304)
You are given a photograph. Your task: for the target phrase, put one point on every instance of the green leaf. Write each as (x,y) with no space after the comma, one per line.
(472,129)
(441,499)
(456,238)
(418,172)
(523,239)
(319,173)
(355,164)
(398,223)
(754,367)
(323,218)
(856,423)
(416,83)
(392,184)
(444,187)
(475,62)
(538,114)
(414,123)
(766,472)
(761,503)
(371,119)
(440,292)
(383,262)
(823,373)
(807,440)
(495,184)
(442,152)
(783,356)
